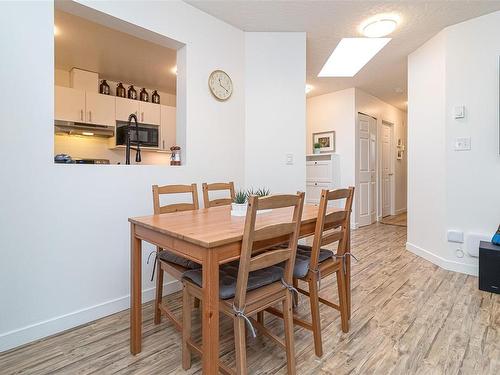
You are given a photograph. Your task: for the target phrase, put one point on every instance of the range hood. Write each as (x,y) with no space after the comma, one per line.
(81,128)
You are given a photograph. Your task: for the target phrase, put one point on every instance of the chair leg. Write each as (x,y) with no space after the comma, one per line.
(159,293)
(315,317)
(344,314)
(260,317)
(186,329)
(240,346)
(295,295)
(289,334)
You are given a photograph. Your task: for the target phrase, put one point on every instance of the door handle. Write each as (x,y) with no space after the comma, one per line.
(142,116)
(163,144)
(90,116)
(81,114)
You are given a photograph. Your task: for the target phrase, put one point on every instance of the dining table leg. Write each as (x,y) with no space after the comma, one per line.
(210,317)
(135,292)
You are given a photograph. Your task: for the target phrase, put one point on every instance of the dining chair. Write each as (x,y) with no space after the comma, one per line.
(218,186)
(314,263)
(255,282)
(167,261)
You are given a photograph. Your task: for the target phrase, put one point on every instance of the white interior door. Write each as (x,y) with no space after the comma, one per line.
(386,170)
(367,142)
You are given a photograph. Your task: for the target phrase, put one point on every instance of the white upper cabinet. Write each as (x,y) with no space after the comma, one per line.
(149,113)
(167,130)
(69,104)
(124,107)
(100,109)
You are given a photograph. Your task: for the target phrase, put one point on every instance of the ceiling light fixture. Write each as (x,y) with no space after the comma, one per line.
(350,55)
(308,88)
(379,26)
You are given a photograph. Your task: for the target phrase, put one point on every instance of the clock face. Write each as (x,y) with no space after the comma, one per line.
(220,85)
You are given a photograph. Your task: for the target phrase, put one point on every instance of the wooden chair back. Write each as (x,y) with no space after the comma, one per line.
(218,186)
(174,189)
(334,226)
(272,234)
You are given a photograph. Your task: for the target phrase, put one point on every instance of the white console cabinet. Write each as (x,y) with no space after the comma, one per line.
(322,172)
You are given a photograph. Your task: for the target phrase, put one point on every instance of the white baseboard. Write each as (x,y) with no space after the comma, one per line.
(32,332)
(469,269)
(400,211)
(354,225)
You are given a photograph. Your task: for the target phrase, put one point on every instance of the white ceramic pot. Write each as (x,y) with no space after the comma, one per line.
(316,150)
(238,209)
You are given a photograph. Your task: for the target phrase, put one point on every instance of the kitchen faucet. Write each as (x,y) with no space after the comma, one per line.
(128,147)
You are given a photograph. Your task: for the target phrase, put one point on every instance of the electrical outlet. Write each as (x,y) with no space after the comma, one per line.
(289,159)
(462,144)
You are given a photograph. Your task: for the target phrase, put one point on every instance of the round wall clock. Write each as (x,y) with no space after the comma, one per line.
(220,85)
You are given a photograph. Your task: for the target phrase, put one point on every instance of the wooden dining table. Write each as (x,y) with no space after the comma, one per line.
(211,237)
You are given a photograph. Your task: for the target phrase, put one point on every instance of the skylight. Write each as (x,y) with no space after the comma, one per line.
(350,55)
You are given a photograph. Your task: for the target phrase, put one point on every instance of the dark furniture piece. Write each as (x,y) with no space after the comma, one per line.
(489,267)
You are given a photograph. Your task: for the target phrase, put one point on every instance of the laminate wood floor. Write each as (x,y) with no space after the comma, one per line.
(399,220)
(409,317)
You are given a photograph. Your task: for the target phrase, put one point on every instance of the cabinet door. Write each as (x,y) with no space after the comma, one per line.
(124,107)
(313,191)
(69,104)
(168,125)
(100,109)
(320,170)
(149,113)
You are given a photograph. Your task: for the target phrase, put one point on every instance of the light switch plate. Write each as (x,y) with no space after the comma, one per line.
(459,111)
(462,144)
(289,159)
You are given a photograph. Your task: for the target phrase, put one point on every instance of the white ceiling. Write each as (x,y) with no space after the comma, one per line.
(115,55)
(326,22)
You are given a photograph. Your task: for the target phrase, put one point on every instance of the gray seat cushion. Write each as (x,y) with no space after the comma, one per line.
(228,274)
(167,256)
(303,259)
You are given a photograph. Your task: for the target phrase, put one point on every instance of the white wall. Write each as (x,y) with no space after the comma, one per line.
(275,66)
(450,189)
(64,239)
(335,111)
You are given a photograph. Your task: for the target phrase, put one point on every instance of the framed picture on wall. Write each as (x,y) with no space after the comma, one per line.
(326,141)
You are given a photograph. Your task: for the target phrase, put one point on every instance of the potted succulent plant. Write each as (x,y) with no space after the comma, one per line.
(239,205)
(316,148)
(260,192)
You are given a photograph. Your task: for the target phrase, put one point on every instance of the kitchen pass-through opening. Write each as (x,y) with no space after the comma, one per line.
(116,91)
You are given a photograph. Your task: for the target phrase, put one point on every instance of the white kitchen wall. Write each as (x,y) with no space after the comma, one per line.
(450,189)
(64,239)
(275,66)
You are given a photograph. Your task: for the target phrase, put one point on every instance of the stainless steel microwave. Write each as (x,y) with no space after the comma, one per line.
(149,135)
